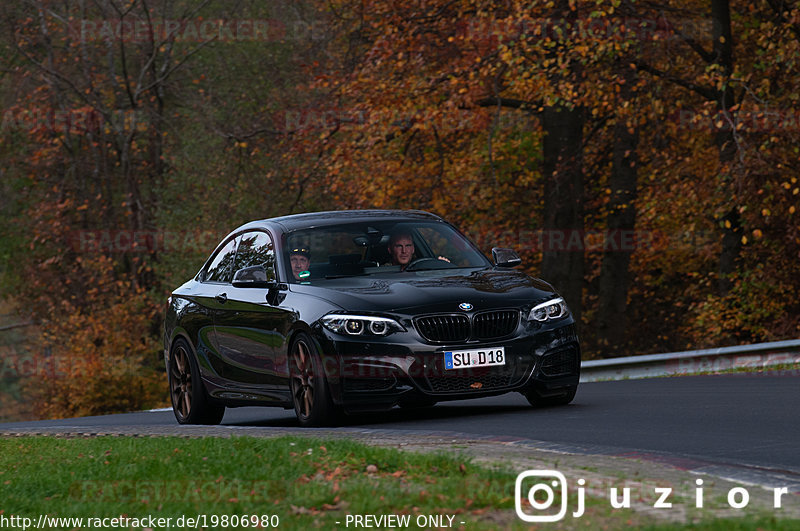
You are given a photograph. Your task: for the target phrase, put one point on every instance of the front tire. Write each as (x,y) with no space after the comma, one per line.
(536,400)
(190,402)
(310,392)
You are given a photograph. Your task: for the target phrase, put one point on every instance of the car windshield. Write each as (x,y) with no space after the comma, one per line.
(369,248)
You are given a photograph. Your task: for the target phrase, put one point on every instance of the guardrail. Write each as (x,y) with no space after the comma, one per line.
(692,362)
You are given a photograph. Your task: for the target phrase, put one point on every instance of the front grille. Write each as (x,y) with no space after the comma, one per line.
(445,328)
(438,380)
(457,328)
(560,362)
(492,325)
(490,379)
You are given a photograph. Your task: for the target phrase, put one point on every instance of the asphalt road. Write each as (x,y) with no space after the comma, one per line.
(737,419)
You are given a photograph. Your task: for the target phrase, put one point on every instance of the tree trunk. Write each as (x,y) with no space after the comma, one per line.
(726,143)
(563,253)
(614,273)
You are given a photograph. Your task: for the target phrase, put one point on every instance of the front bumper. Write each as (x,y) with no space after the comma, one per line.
(367,374)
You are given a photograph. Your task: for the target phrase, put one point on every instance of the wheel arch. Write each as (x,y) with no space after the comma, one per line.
(330,361)
(301,327)
(178,334)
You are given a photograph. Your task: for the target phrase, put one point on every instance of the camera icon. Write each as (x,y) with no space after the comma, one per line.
(552,480)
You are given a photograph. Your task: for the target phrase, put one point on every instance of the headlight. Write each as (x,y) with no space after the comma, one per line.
(550,310)
(360,325)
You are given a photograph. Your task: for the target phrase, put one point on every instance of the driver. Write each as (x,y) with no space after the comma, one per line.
(401,249)
(300,260)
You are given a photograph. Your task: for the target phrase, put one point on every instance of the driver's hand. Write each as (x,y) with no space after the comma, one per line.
(444,258)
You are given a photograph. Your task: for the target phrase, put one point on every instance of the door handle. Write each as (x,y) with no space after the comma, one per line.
(222,298)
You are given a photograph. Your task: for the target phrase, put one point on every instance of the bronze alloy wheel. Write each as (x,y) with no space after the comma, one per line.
(190,403)
(302,379)
(312,400)
(180,382)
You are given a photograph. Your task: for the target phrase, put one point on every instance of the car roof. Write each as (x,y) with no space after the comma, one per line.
(322,219)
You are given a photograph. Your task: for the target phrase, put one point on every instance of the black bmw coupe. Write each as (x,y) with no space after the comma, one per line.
(350,311)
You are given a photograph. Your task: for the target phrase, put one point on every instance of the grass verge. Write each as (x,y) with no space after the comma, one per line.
(296,483)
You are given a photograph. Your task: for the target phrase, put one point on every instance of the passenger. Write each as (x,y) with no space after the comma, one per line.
(300,260)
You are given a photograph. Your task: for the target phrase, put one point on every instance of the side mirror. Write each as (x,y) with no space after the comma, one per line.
(253,277)
(505,257)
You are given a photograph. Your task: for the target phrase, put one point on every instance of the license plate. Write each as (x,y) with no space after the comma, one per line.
(483,357)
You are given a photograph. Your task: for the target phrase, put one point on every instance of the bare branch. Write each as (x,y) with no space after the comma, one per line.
(708,93)
(704,54)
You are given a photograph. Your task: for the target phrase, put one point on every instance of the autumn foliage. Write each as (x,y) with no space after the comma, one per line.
(642,157)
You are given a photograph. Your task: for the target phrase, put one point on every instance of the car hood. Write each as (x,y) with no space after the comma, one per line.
(435,291)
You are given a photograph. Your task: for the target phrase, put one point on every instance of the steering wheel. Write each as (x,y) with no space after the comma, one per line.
(414,263)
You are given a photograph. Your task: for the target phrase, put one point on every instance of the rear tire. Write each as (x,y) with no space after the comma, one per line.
(310,392)
(190,402)
(536,400)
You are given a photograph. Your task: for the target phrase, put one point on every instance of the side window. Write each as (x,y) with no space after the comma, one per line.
(255,248)
(220,270)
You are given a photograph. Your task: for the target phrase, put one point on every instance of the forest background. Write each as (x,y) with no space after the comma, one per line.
(641,156)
